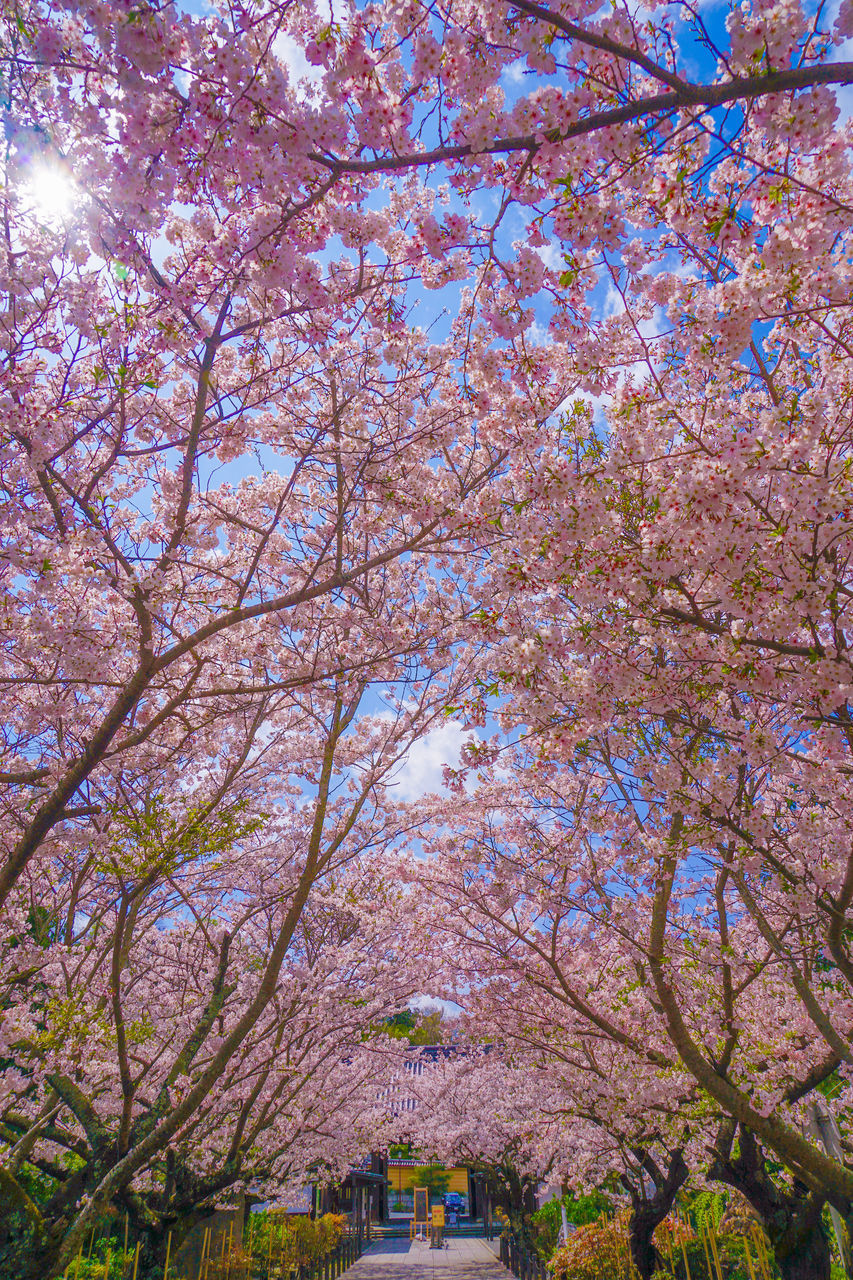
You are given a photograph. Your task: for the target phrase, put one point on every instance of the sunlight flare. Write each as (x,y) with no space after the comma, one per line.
(51,192)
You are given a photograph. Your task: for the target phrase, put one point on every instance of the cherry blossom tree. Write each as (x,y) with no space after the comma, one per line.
(679,636)
(188,999)
(191,299)
(546,894)
(472,1106)
(671,605)
(215,439)
(236,480)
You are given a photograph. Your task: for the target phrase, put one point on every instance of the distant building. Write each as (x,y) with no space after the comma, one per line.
(376,1182)
(405,1175)
(363,1193)
(398,1096)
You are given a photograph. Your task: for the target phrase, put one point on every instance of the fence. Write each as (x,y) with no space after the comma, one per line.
(517,1260)
(223,1257)
(268,1267)
(330,1267)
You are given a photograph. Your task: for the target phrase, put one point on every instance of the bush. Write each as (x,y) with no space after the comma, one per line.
(545,1223)
(502,1222)
(732,1254)
(597,1251)
(600,1251)
(293,1242)
(706,1209)
(94,1268)
(330,1230)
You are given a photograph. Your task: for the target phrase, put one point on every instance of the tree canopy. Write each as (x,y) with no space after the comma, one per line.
(374,375)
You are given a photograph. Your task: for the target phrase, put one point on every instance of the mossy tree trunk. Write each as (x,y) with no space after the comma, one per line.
(791,1215)
(648,1210)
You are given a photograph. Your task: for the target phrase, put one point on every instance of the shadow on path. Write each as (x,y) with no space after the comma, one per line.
(461,1259)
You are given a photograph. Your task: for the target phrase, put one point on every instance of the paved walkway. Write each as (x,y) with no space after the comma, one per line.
(461,1259)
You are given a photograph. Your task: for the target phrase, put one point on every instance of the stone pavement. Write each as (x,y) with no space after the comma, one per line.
(461,1259)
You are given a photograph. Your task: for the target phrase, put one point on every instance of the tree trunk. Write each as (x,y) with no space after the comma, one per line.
(25,1251)
(792,1216)
(32,1239)
(154,1243)
(647,1212)
(809,1259)
(514,1193)
(31,1236)
(644,1254)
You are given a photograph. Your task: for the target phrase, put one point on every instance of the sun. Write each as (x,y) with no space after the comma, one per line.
(51,193)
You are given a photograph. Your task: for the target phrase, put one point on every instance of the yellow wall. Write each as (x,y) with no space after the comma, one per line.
(409,1176)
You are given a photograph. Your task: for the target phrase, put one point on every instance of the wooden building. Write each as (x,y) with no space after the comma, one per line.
(362,1195)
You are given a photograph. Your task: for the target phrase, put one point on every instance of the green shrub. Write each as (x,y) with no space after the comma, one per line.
(596,1251)
(705,1209)
(293,1241)
(599,1251)
(544,1225)
(95,1268)
(732,1260)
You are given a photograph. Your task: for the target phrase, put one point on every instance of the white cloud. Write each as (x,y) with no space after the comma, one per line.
(840,53)
(541,335)
(299,69)
(515,72)
(423,768)
(430,1004)
(552,255)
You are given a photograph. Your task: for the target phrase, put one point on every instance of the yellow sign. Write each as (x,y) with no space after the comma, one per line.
(438,1215)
